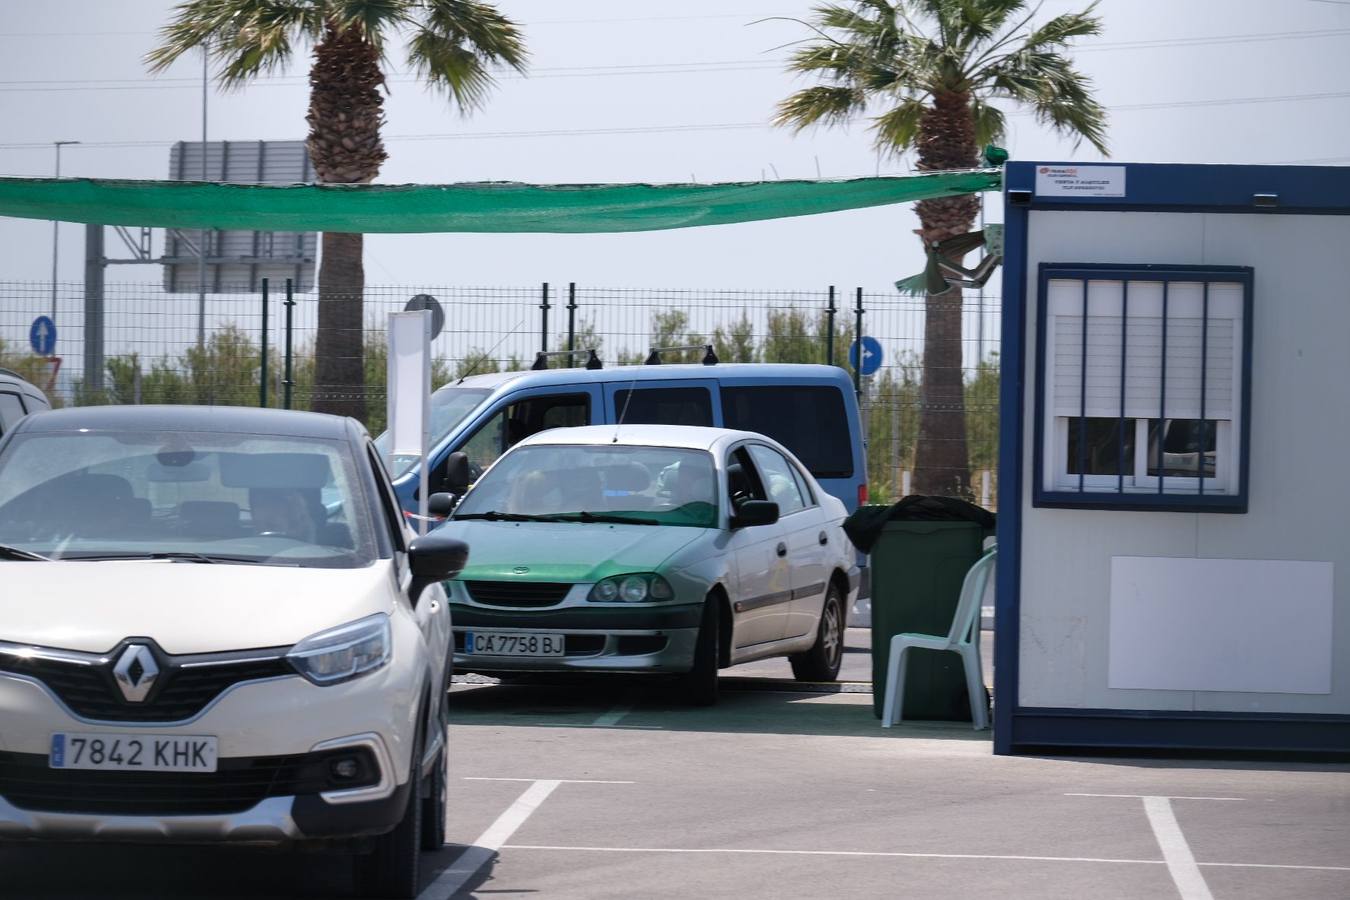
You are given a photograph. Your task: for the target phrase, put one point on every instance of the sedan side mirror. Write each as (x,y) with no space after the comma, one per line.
(434,557)
(755,512)
(457,473)
(441,505)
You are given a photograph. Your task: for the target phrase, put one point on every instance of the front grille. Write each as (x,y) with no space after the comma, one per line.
(184,690)
(517,594)
(29,783)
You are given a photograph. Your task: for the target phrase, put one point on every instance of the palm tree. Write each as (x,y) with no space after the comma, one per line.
(452,45)
(928,70)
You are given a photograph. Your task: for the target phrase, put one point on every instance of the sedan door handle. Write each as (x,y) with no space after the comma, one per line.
(824,538)
(782,549)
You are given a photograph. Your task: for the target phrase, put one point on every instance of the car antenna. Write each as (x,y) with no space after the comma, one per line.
(488,355)
(624,412)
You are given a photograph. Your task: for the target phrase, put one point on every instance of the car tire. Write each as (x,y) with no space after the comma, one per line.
(700,684)
(822,661)
(433,806)
(393,868)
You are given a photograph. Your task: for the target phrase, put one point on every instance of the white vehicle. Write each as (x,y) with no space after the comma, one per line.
(215,627)
(651,549)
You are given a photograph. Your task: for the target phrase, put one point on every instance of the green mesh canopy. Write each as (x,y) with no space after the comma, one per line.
(500,207)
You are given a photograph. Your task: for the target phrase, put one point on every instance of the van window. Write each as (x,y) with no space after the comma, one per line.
(514,423)
(664,406)
(11,410)
(809,421)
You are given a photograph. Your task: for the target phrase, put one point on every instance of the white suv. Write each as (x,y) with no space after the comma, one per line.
(215,626)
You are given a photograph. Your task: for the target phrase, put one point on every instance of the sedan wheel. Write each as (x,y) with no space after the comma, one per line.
(821,662)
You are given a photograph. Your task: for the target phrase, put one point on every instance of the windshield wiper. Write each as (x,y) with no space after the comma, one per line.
(605,518)
(493,516)
(18,553)
(181,556)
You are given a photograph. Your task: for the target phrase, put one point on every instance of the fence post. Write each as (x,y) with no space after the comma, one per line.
(857,339)
(289,381)
(571,323)
(543,321)
(262,378)
(829,330)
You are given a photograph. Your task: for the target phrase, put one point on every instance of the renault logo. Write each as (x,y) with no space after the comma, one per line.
(520,570)
(136,672)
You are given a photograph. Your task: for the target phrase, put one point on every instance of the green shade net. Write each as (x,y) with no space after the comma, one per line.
(485,207)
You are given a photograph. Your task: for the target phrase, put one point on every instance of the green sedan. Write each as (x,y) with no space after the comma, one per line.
(650,549)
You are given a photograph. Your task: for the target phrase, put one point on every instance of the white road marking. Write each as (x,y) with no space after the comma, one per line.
(1146,796)
(614,716)
(1180,861)
(448,883)
(863,853)
(558,780)
(880,853)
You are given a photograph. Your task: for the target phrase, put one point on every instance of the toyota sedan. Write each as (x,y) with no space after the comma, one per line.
(651,549)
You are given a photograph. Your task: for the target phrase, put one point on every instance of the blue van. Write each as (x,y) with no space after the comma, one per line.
(810,409)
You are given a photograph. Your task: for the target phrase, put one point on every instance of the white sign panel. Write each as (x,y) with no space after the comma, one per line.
(1258,626)
(1080,181)
(409,390)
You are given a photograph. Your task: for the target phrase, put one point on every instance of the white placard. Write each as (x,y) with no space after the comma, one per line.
(1238,625)
(1080,181)
(409,392)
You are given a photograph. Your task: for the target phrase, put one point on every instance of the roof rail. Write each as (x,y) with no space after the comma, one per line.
(709,355)
(541,358)
(4,371)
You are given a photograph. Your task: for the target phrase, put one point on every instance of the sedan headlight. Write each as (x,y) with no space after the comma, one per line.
(343,653)
(631,589)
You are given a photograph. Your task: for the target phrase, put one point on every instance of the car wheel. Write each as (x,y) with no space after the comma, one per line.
(433,807)
(700,685)
(392,869)
(821,662)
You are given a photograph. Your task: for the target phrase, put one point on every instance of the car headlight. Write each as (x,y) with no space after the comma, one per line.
(343,653)
(631,589)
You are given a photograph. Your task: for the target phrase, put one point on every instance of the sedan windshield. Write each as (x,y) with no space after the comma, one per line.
(189,497)
(587,484)
(449,406)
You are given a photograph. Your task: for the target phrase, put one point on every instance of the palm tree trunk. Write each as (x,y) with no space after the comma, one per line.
(941,464)
(345,115)
(339,378)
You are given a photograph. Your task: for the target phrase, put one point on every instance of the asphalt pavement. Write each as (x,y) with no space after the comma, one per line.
(615,789)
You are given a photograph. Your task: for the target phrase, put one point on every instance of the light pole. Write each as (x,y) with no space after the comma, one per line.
(56,225)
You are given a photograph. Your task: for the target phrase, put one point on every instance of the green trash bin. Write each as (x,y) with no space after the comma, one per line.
(917,571)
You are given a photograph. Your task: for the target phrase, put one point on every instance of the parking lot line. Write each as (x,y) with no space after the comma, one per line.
(613,717)
(904,855)
(448,883)
(1180,861)
(558,780)
(1164,796)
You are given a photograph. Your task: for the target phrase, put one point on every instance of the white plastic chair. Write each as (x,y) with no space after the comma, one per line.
(963,638)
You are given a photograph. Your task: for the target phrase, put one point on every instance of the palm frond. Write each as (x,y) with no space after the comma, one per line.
(246,37)
(495,39)
(458,43)
(897,129)
(820,105)
(1062,29)
(372,19)
(1057,93)
(990,124)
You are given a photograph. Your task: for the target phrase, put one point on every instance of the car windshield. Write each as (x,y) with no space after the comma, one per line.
(449,406)
(652,485)
(208,497)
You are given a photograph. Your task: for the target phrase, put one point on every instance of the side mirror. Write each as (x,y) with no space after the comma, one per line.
(755,512)
(434,557)
(457,473)
(442,504)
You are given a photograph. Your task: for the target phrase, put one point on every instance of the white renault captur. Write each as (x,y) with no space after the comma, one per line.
(215,627)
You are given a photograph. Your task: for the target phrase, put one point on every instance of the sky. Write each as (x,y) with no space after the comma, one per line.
(623,91)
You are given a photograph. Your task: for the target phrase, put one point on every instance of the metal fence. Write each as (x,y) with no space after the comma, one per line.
(149,350)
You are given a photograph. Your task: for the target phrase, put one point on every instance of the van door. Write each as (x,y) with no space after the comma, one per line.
(684,401)
(514,417)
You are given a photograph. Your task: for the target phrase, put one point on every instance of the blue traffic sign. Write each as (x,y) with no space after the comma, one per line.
(42,336)
(871,356)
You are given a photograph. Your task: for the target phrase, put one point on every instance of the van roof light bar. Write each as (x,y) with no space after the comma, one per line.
(541,358)
(709,355)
